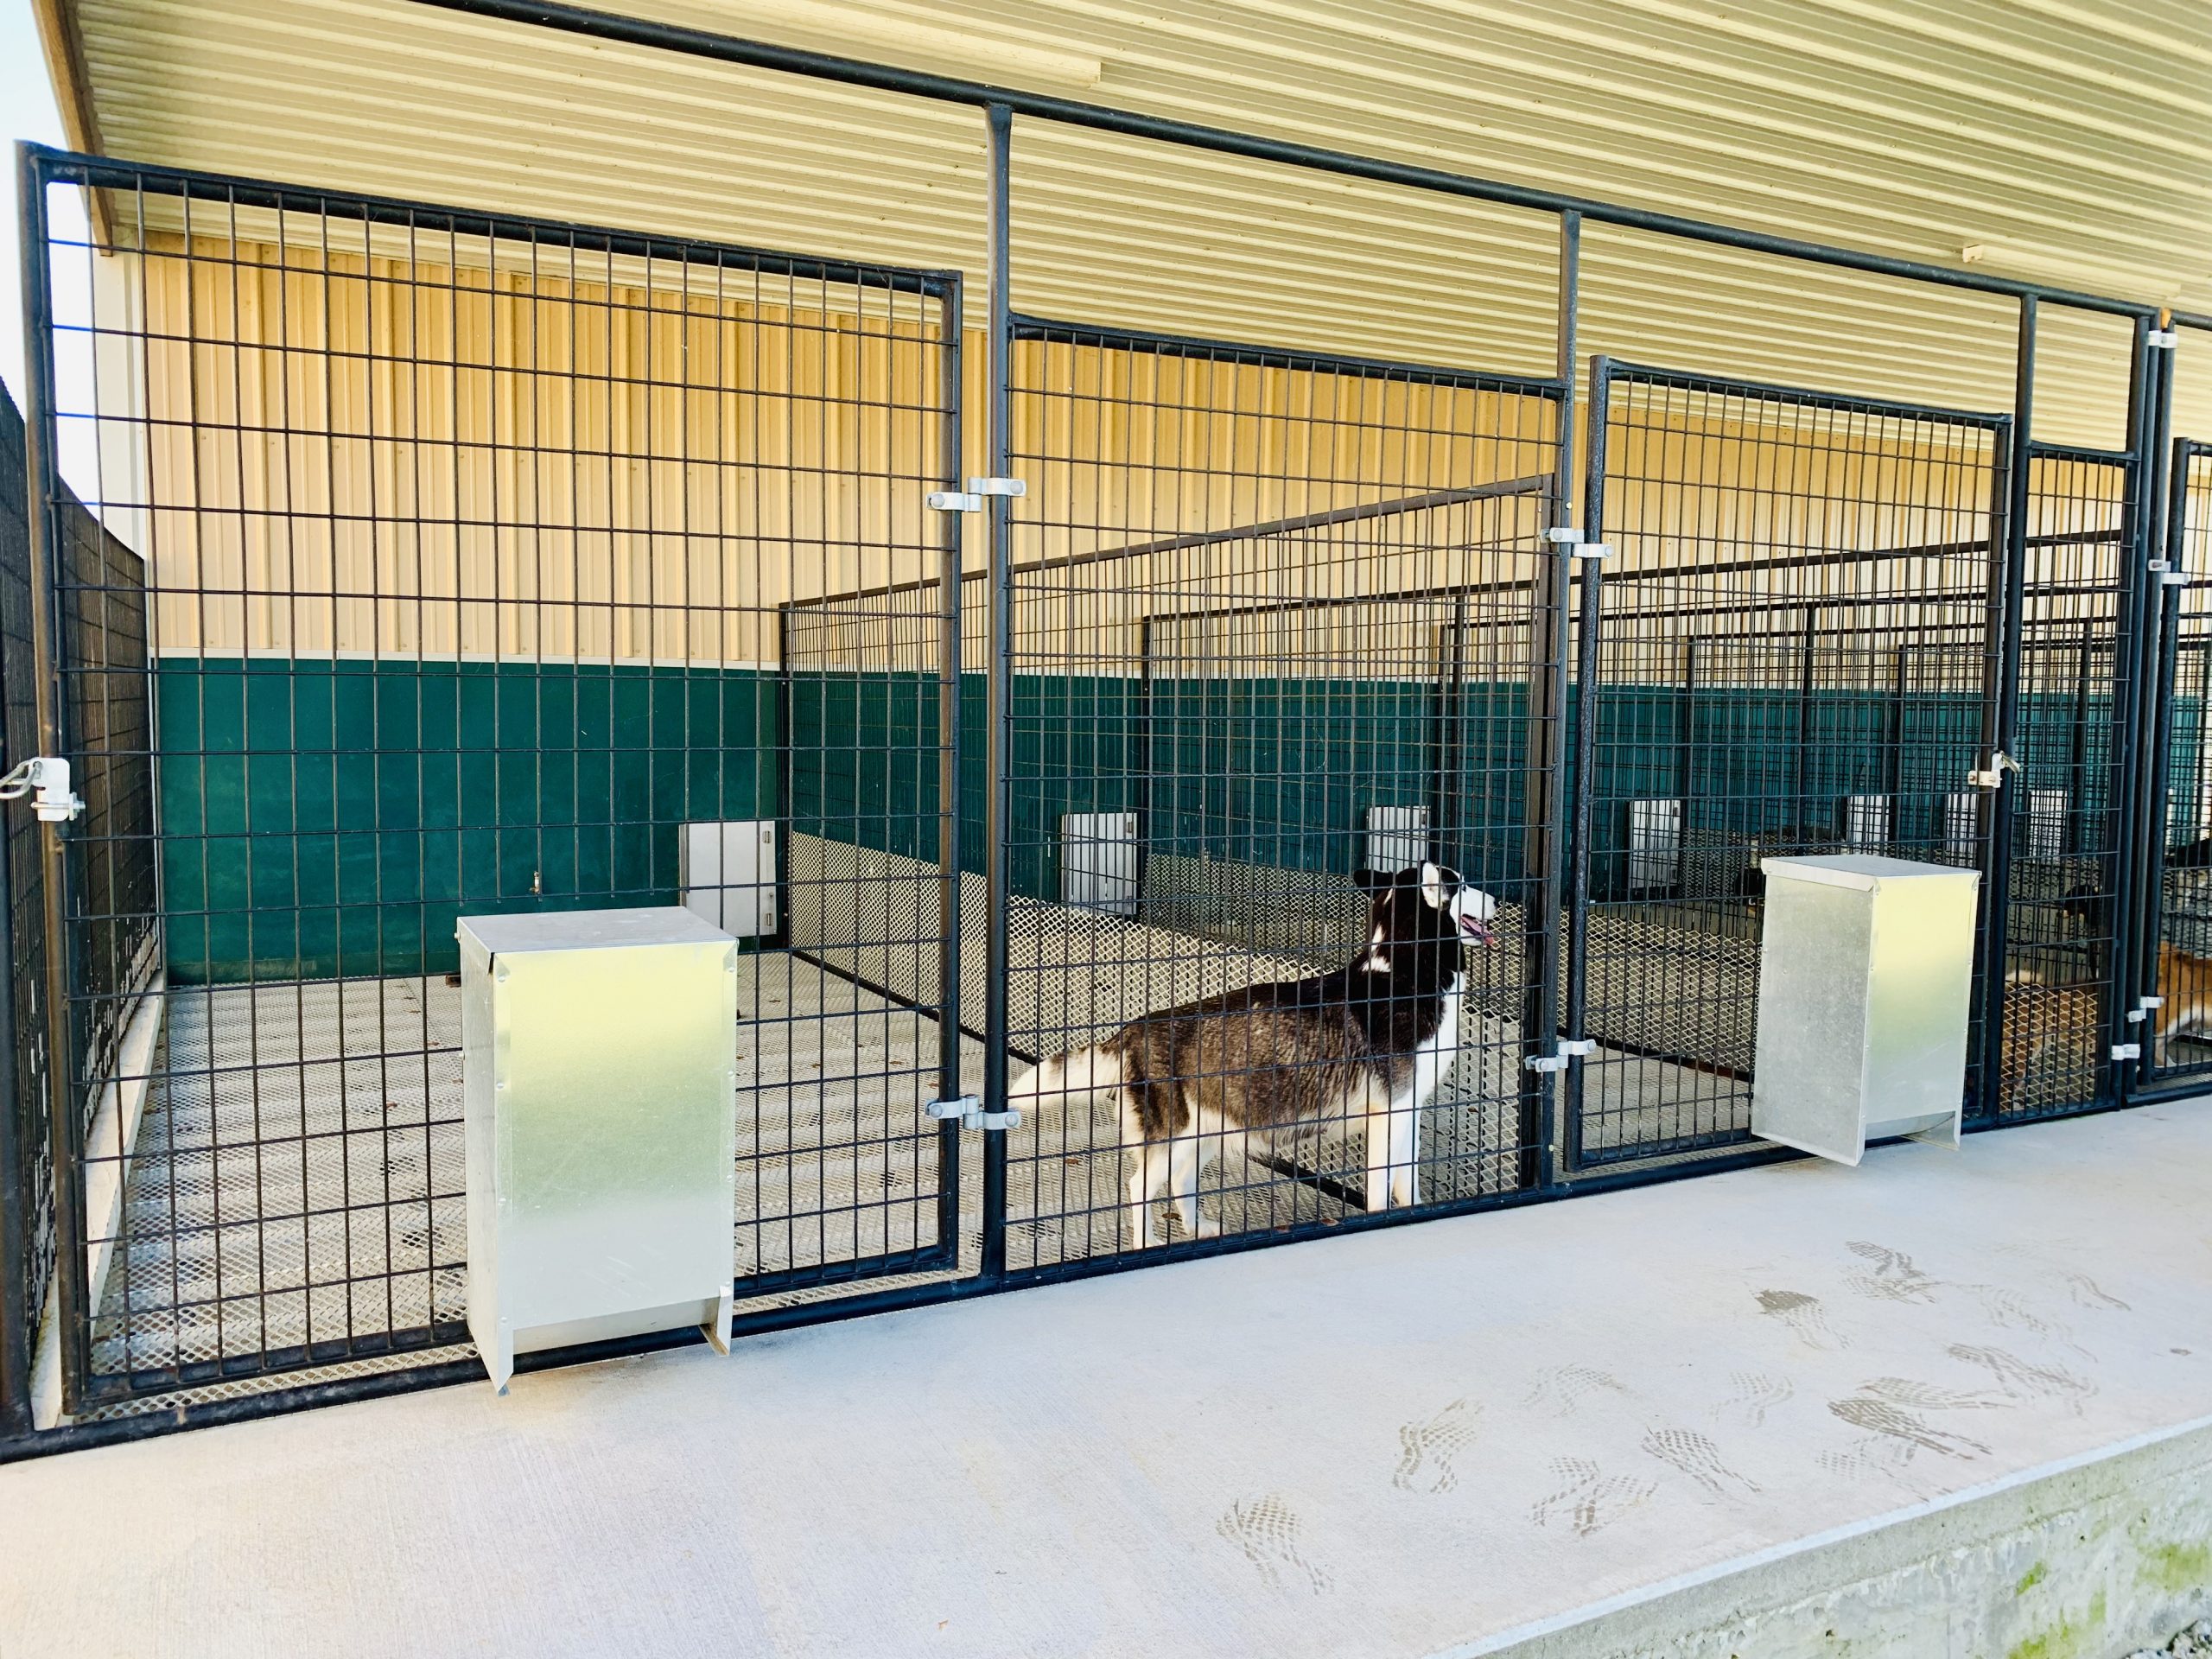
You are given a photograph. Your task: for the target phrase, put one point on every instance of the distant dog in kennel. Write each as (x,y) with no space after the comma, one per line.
(1371,1040)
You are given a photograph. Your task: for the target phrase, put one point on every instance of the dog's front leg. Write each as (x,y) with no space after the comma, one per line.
(1147,1173)
(1381,1133)
(1405,1126)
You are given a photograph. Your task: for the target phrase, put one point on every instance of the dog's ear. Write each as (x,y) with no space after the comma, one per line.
(1369,880)
(1432,886)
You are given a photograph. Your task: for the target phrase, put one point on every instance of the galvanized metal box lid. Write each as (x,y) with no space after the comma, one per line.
(587,929)
(1864,871)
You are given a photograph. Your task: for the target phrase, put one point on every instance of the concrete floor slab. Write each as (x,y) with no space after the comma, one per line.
(1431,1439)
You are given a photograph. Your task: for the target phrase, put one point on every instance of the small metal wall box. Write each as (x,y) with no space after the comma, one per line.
(1866,969)
(599,1057)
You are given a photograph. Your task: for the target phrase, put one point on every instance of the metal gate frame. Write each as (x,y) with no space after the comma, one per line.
(1998,701)
(79,1005)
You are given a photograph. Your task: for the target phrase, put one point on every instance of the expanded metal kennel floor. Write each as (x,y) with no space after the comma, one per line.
(297,1174)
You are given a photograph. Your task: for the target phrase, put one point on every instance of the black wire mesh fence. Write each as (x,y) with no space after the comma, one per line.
(2180,1036)
(2073,694)
(439,563)
(1785,651)
(468,543)
(1275,621)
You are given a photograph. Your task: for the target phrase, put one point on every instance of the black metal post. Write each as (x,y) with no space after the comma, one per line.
(42,501)
(1591,574)
(2000,706)
(2145,845)
(1800,764)
(952,310)
(1546,746)
(16,1311)
(998,810)
(2130,655)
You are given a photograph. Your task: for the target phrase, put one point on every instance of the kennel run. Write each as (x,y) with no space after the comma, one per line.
(996,678)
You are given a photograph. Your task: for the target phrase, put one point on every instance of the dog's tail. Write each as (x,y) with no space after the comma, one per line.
(1083,1071)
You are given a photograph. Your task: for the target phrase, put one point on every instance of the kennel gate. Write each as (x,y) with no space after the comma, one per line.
(472,545)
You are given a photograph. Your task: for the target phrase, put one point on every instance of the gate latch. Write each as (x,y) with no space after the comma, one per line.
(1993,776)
(967,1111)
(2127,1050)
(971,498)
(1568,536)
(1564,1050)
(45,778)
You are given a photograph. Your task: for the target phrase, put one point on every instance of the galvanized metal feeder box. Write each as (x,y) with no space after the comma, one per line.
(1866,967)
(599,1052)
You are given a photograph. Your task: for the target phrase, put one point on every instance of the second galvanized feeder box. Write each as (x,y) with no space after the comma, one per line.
(599,1051)
(1865,969)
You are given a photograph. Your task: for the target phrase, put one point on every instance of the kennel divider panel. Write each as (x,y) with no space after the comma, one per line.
(1786,570)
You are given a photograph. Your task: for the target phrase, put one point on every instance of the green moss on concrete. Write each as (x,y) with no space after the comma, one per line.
(2034,1576)
(2177,1567)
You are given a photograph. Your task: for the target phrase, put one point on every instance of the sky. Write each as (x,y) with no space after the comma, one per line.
(27,104)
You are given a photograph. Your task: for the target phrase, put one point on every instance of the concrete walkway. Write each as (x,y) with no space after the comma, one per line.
(1439,1438)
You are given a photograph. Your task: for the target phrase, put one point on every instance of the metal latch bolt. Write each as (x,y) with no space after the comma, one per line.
(971,498)
(1999,764)
(1564,1050)
(2163,340)
(1568,536)
(46,778)
(2127,1050)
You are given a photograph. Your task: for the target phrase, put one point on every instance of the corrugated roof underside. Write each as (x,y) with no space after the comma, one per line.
(2057,138)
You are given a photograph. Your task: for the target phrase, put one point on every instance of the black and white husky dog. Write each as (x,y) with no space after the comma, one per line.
(1370,1041)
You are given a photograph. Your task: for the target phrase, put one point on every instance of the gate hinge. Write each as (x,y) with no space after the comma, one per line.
(1993,776)
(2150,1001)
(2163,340)
(964,1108)
(2135,1016)
(1008,1119)
(2127,1050)
(45,778)
(971,498)
(1564,1050)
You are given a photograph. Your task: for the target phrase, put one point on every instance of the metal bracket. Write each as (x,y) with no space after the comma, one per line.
(1008,1119)
(2135,1016)
(1562,1054)
(964,1108)
(1592,550)
(1993,776)
(2150,1001)
(971,498)
(2127,1050)
(45,778)
(2174,578)
(2158,564)
(1567,533)
(2163,340)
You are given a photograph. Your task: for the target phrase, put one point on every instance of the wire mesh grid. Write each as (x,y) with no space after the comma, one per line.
(1273,621)
(2072,701)
(2182,968)
(1789,654)
(467,546)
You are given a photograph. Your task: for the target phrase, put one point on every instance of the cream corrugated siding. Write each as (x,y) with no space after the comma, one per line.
(2062,139)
